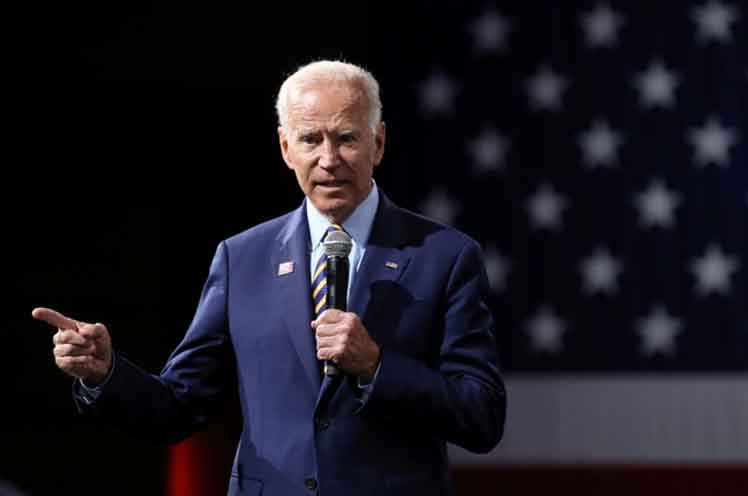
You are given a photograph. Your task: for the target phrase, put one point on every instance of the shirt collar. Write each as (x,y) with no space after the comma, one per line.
(357,225)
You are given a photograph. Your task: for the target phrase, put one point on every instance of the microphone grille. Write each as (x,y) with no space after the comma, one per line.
(337,244)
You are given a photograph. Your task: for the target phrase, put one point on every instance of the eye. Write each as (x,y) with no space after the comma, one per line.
(347,138)
(309,138)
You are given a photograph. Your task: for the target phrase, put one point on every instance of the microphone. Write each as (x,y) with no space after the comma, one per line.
(337,245)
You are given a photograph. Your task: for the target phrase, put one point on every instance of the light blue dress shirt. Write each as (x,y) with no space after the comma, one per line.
(357,225)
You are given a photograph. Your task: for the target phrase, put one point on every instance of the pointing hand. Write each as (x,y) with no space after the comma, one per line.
(81,350)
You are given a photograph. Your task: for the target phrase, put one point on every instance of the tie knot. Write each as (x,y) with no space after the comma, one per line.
(332,228)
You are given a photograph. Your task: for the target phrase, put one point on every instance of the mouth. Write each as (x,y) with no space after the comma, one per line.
(337,183)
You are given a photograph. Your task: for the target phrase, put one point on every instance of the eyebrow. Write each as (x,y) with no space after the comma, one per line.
(302,132)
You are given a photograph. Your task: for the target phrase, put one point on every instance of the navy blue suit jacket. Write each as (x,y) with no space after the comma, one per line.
(420,292)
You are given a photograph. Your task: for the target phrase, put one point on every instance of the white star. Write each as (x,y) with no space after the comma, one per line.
(545,89)
(601,26)
(438,94)
(441,207)
(545,207)
(713,270)
(658,331)
(497,268)
(656,85)
(656,205)
(489,150)
(713,20)
(712,142)
(600,145)
(490,32)
(546,330)
(600,271)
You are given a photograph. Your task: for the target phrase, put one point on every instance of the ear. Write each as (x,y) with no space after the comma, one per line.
(379,140)
(283,141)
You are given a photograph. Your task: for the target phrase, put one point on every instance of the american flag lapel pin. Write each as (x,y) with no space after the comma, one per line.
(285,268)
(391,265)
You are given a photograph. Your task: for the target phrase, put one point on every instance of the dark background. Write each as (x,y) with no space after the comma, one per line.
(138,135)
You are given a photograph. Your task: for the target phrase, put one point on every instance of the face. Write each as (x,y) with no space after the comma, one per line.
(330,146)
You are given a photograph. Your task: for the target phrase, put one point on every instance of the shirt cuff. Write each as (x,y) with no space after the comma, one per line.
(91,393)
(368,387)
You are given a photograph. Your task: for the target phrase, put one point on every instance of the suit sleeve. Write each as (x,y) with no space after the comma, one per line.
(463,400)
(171,406)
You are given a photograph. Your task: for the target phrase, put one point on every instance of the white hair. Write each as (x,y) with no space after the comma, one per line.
(329,72)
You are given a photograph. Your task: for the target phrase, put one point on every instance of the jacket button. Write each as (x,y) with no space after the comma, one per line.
(311,484)
(322,423)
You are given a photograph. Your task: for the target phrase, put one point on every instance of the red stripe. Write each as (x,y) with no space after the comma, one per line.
(201,465)
(637,480)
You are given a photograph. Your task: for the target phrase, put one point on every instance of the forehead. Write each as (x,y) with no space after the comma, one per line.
(314,105)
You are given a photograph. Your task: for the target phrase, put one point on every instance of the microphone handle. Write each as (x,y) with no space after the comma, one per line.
(337,295)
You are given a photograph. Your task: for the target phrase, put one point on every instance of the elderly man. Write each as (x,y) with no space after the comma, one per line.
(415,348)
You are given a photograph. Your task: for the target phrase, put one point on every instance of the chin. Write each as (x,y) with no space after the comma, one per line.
(337,208)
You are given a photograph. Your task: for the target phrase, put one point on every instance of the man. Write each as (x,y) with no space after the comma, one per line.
(416,348)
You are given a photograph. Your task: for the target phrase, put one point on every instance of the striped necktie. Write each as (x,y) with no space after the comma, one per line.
(319,278)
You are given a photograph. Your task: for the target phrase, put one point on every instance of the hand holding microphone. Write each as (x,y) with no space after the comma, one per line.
(342,339)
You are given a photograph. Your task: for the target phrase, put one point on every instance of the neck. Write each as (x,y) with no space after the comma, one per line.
(338,217)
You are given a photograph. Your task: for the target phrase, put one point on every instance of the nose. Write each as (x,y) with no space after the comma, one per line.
(329,154)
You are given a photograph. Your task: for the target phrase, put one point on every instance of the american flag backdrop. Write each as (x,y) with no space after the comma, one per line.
(599,152)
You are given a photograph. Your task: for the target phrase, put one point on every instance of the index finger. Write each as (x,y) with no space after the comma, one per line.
(329,316)
(55,319)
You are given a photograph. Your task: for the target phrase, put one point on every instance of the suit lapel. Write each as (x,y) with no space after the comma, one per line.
(295,289)
(384,260)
